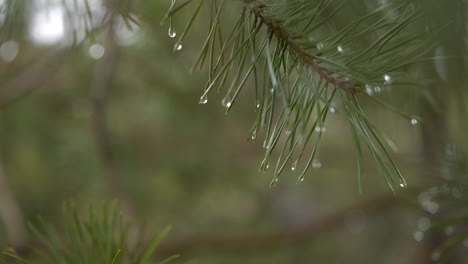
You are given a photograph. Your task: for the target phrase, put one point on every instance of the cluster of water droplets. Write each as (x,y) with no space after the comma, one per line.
(320,129)
(316,164)
(172,34)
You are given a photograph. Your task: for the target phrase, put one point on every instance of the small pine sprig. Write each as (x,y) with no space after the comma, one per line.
(99,236)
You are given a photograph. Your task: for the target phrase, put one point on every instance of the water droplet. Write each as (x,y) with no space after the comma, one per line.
(320,46)
(171,32)
(294,165)
(418,236)
(340,49)
(267,166)
(178,46)
(403,185)
(332,110)
(9,50)
(203,99)
(301,179)
(274,182)
(226,102)
(369,90)
(388,79)
(377,89)
(253,136)
(414,121)
(258,106)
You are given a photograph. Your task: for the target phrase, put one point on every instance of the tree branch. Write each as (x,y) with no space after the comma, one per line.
(12,214)
(103,82)
(32,78)
(253,243)
(284,36)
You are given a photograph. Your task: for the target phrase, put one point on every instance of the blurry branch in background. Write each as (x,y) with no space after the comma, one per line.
(32,78)
(256,243)
(11,214)
(102,85)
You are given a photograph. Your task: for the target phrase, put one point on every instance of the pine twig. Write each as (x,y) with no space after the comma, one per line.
(283,35)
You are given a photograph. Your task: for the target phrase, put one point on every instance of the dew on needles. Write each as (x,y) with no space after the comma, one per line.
(414,121)
(332,110)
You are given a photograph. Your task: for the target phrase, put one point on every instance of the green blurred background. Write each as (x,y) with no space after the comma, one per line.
(190,165)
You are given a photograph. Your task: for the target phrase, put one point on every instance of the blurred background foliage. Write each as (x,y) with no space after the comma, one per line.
(190,165)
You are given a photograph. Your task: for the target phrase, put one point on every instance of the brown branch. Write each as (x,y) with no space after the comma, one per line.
(34,77)
(12,215)
(252,242)
(284,36)
(103,82)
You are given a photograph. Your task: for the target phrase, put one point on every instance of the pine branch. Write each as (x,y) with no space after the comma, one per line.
(302,67)
(285,36)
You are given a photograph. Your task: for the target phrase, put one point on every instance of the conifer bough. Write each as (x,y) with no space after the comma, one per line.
(306,59)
